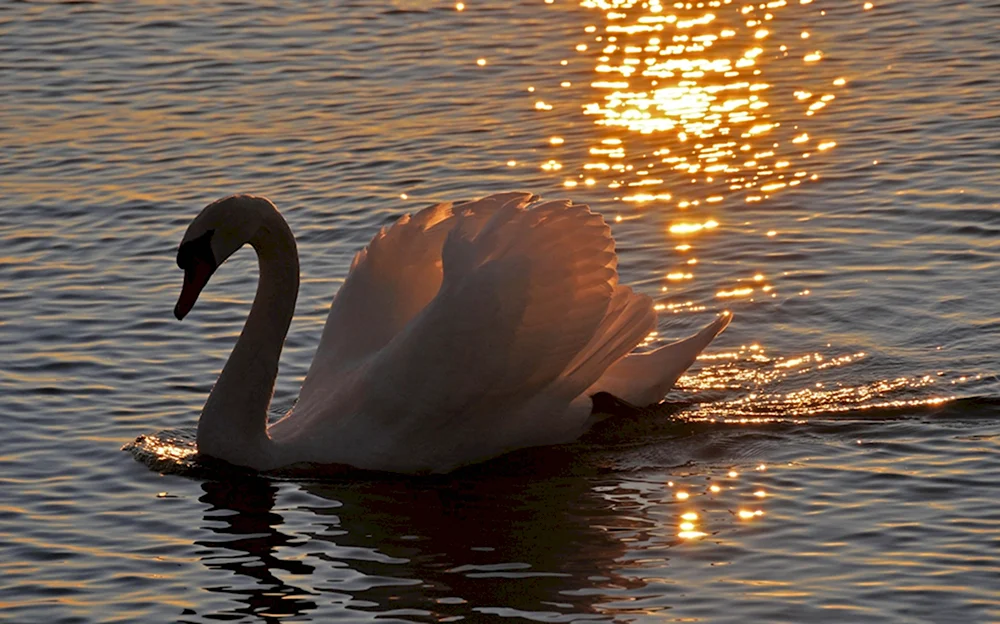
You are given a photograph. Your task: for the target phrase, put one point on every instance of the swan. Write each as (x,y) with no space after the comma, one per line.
(460,333)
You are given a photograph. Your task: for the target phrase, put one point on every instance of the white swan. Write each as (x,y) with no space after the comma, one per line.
(459,334)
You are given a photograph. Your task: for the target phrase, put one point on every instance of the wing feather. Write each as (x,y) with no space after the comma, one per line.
(522,295)
(389,283)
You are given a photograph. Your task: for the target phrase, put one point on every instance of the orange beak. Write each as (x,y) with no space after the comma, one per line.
(195,278)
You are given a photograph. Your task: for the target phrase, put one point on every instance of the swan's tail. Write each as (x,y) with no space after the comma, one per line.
(645,378)
(629,318)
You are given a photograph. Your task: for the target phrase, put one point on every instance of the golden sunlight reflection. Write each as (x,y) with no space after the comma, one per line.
(702,512)
(166,452)
(689,117)
(768,389)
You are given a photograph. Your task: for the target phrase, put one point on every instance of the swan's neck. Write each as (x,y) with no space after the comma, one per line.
(233,424)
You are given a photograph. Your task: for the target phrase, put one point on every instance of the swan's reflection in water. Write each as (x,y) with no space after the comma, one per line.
(526,535)
(246,536)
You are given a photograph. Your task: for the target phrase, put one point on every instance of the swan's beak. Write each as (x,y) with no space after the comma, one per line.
(195,277)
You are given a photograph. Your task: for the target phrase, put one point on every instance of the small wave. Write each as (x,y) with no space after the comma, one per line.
(172,451)
(854,403)
(747,385)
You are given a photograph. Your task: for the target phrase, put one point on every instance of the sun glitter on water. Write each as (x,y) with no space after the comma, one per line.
(792,389)
(687,123)
(702,512)
(690,117)
(169,452)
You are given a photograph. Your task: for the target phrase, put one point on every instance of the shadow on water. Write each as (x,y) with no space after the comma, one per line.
(501,538)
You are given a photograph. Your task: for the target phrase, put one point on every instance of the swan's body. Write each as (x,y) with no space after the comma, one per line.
(459,334)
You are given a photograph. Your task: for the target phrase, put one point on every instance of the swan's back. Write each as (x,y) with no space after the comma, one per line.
(465,332)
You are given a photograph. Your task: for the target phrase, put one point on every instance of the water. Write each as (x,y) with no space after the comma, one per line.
(832,459)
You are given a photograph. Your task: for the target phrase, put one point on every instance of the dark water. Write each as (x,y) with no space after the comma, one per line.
(825,170)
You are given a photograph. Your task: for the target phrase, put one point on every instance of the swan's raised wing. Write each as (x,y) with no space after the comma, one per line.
(522,296)
(390,281)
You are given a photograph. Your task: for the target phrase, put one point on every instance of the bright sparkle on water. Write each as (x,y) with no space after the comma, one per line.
(763,379)
(682,89)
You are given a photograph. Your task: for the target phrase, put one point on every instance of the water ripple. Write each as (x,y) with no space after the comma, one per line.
(829,460)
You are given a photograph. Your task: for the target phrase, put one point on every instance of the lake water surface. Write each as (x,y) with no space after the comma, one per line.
(827,170)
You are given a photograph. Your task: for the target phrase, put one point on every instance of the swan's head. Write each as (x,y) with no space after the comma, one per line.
(215,234)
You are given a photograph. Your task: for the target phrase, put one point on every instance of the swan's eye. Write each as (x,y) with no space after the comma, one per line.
(197,250)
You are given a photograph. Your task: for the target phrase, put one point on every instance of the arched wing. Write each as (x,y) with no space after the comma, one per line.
(389,282)
(522,295)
